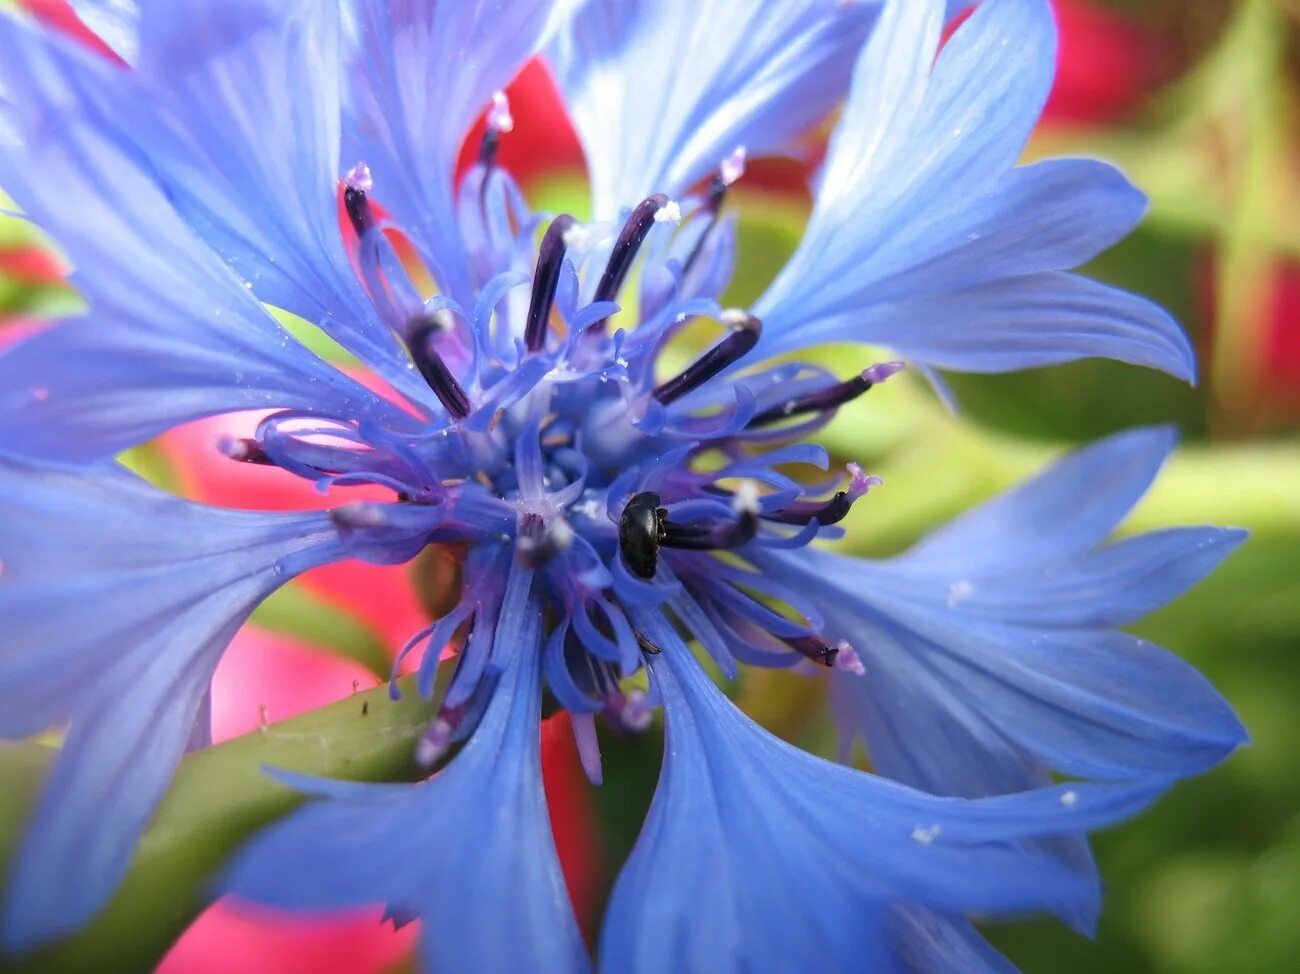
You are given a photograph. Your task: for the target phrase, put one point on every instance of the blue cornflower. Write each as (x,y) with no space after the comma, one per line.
(528,418)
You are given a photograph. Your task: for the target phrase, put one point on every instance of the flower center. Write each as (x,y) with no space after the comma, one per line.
(569,472)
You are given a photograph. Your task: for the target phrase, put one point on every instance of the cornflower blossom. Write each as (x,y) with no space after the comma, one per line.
(612,511)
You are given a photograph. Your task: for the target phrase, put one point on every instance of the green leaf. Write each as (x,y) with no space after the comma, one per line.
(218,798)
(296,611)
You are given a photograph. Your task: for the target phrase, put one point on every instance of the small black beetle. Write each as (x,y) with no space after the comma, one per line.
(640,532)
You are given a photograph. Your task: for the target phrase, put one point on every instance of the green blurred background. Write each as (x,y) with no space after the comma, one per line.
(1196,100)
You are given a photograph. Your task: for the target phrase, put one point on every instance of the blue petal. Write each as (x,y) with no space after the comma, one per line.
(234,76)
(1112,586)
(931,944)
(116,601)
(88,389)
(194,121)
(925,239)
(758,856)
(469,852)
(1014,323)
(172,335)
(752,75)
(990,647)
(425,72)
(1067,509)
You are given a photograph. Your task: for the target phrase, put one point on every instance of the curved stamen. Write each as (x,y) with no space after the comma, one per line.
(731,349)
(653,209)
(433,368)
(550,258)
(832,511)
(829,398)
(801,512)
(732,168)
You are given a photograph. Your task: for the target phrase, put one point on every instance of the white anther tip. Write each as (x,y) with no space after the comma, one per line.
(360,178)
(882,371)
(499,118)
(733,167)
(670,212)
(745,500)
(847,659)
(860,482)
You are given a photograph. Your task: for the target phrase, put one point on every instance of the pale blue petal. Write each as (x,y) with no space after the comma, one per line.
(426,69)
(172,334)
(662,91)
(931,944)
(230,76)
(924,238)
(916,136)
(1013,323)
(990,650)
(469,852)
(117,601)
(1069,508)
(90,388)
(194,121)
(754,850)
(1049,216)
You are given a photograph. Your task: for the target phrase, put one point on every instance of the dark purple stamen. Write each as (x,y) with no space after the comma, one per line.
(550,258)
(434,369)
(801,512)
(358,208)
(829,398)
(245,450)
(841,656)
(711,536)
(731,349)
(815,648)
(709,211)
(625,250)
(489,147)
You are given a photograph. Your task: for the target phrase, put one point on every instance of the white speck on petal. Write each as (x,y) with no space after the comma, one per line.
(958,592)
(1069,798)
(925,835)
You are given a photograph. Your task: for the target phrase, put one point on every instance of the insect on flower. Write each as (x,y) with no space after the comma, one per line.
(529,415)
